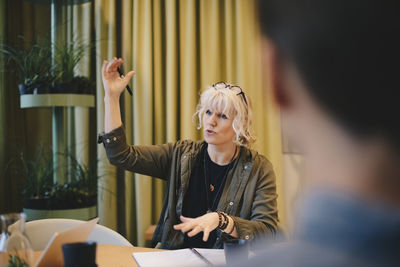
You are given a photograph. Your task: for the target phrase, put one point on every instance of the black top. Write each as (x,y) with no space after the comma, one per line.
(203,194)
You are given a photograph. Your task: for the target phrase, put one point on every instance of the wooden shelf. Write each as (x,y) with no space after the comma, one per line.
(57,100)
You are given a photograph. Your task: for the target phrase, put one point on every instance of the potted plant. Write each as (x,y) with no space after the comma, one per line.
(31,64)
(67,57)
(45,198)
(38,74)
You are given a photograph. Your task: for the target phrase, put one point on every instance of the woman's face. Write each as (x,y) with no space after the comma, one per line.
(217,128)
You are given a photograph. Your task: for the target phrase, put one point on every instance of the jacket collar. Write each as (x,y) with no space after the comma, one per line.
(236,181)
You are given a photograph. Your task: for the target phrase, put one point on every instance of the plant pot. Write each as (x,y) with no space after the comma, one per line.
(62,203)
(83,214)
(41,89)
(62,88)
(40,208)
(34,89)
(77,85)
(83,85)
(36,203)
(25,89)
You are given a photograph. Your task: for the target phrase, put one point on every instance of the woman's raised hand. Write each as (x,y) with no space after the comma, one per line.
(205,224)
(114,85)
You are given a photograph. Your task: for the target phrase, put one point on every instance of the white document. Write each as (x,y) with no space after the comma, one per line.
(215,256)
(180,257)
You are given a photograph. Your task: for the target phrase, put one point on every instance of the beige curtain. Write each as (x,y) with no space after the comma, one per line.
(105,27)
(178,48)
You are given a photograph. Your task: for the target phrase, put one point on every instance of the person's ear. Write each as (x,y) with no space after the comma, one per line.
(273,63)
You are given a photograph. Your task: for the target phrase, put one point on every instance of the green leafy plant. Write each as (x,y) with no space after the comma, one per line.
(67,57)
(31,62)
(80,191)
(15,261)
(37,172)
(41,192)
(38,73)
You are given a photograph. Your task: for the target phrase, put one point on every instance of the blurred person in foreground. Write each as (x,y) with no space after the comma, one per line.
(335,71)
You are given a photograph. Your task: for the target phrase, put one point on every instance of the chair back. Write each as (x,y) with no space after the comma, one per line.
(40,232)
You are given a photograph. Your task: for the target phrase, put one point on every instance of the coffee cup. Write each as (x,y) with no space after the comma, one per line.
(79,254)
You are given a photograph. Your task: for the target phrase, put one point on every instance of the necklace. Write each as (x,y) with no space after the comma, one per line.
(210,186)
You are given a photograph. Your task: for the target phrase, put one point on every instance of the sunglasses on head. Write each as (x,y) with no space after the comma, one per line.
(235,88)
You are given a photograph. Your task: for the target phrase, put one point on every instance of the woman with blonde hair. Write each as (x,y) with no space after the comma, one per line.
(218,188)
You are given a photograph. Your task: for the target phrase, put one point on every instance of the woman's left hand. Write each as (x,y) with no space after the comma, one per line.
(205,224)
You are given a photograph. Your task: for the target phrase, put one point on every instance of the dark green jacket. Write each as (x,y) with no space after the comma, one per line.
(249,194)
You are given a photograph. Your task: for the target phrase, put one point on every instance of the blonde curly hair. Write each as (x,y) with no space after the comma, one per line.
(231,100)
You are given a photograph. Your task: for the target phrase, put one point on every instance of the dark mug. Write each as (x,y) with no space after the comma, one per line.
(79,254)
(236,250)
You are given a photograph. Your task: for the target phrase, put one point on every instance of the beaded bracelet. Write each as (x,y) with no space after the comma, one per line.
(219,219)
(226,221)
(223,220)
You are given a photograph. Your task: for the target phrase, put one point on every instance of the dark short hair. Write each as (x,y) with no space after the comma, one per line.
(347,53)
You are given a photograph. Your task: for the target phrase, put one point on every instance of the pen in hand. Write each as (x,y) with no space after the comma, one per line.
(121,74)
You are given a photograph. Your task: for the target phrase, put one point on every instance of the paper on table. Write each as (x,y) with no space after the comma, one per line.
(215,256)
(179,257)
